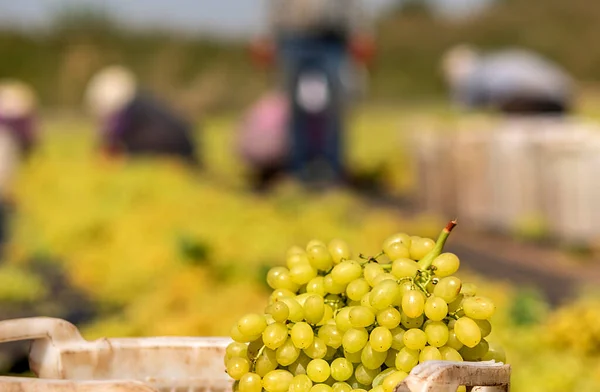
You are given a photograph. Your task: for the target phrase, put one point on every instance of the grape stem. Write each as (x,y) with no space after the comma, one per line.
(258,354)
(426,261)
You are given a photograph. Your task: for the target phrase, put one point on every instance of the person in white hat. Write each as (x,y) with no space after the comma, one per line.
(513,80)
(135,123)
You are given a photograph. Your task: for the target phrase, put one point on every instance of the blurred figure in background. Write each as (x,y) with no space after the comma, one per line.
(514,81)
(133,122)
(18,134)
(262,141)
(317,45)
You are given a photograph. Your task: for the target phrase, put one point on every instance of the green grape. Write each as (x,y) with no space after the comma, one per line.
(365,376)
(413,304)
(381,339)
(415,339)
(318,348)
(402,238)
(327,315)
(419,247)
(237,367)
(390,359)
(296,312)
(408,322)
(396,250)
(461,388)
(321,388)
(303,273)
(450,354)
(277,381)
(332,287)
(495,353)
(370,271)
(302,335)
(456,304)
(453,340)
(283,280)
(355,339)
(266,362)
(331,354)
(296,259)
(318,370)
(391,382)
(300,383)
(287,353)
(342,320)
(314,242)
(294,250)
(407,359)
(361,316)
(273,276)
(235,349)
(254,347)
(381,376)
(366,301)
(479,308)
(468,290)
(467,332)
(435,308)
(357,289)
(339,250)
(360,389)
(331,335)
(281,293)
(346,271)
(389,318)
(448,288)
(485,327)
(404,287)
(240,337)
(341,387)
(353,303)
(430,353)
(319,257)
(299,366)
(275,335)
(372,359)
(252,324)
(381,277)
(314,309)
(353,357)
(250,382)
(316,286)
(397,338)
(445,264)
(476,353)
(279,311)
(437,333)
(341,369)
(384,294)
(404,268)
(377,389)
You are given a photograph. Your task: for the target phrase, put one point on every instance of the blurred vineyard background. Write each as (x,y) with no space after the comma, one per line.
(148,248)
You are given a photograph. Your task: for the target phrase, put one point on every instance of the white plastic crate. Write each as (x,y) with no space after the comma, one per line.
(65,362)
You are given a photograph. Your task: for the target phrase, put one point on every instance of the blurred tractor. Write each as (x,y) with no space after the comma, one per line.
(133,122)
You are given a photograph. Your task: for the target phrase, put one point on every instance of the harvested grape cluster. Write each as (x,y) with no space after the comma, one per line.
(338,324)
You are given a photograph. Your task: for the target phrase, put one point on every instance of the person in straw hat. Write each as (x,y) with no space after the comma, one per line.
(512,80)
(133,122)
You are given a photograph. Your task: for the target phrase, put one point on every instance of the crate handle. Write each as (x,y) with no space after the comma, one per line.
(444,376)
(55,329)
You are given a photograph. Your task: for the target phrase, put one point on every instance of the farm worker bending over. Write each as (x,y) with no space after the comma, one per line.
(18,131)
(315,43)
(512,81)
(134,123)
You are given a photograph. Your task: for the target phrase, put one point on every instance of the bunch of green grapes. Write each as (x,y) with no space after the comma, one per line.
(338,324)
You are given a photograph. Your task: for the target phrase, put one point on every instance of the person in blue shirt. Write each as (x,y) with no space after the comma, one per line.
(315,43)
(513,80)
